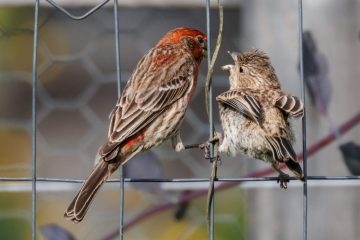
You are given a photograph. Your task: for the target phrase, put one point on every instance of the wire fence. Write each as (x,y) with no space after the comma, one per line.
(223,182)
(301,61)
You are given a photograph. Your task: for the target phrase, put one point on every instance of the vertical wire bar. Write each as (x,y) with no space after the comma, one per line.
(211,232)
(118,79)
(33,131)
(301,60)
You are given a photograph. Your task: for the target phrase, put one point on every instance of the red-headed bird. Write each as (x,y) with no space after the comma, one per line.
(254,114)
(150,109)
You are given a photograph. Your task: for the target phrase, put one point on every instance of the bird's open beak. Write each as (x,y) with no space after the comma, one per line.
(204,52)
(227,67)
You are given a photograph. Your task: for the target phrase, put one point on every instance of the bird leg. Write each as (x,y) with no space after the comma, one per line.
(177,143)
(283,178)
(205,147)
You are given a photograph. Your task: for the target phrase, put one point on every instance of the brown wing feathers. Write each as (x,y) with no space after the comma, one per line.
(165,94)
(291,104)
(145,100)
(243,103)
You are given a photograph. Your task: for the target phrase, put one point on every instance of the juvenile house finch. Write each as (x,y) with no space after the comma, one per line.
(254,114)
(150,109)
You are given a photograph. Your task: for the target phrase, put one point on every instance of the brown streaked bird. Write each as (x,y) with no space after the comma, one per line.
(150,109)
(254,114)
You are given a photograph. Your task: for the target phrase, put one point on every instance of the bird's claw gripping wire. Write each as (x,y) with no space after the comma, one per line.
(205,147)
(283,179)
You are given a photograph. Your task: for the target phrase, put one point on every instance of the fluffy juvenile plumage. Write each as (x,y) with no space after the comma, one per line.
(254,113)
(150,109)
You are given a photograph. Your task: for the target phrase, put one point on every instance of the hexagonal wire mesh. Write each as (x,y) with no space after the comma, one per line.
(72,99)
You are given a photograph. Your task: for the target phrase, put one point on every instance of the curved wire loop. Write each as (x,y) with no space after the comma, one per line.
(81,17)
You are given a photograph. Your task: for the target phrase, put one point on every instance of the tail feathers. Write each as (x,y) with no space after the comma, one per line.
(79,206)
(282,149)
(296,169)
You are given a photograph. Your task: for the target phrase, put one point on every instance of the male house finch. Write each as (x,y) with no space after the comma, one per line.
(150,109)
(254,114)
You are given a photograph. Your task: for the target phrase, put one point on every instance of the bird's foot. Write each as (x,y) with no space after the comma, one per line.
(205,147)
(283,179)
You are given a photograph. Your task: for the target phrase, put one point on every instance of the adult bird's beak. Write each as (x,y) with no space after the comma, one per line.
(227,67)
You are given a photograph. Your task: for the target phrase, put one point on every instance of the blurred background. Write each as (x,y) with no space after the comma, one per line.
(77,90)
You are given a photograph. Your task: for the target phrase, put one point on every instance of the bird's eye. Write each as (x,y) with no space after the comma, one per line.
(200,39)
(241,69)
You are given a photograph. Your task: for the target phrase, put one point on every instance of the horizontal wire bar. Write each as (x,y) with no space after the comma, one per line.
(175,186)
(179,180)
(81,17)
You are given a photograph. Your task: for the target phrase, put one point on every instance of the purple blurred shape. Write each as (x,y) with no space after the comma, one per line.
(145,165)
(55,232)
(316,74)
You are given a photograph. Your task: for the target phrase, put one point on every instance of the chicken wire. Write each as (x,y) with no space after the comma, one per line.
(87,64)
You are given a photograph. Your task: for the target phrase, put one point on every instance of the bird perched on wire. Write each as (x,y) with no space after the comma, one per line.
(351,155)
(254,114)
(150,109)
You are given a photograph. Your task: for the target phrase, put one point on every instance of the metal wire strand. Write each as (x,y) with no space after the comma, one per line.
(81,17)
(178,180)
(301,60)
(208,33)
(33,130)
(118,80)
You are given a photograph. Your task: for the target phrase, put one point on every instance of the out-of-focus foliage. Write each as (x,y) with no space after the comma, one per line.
(16,38)
(15,217)
(15,149)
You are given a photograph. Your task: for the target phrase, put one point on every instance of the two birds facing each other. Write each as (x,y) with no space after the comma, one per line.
(254,112)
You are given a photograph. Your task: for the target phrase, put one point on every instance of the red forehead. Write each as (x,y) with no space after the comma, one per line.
(176,34)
